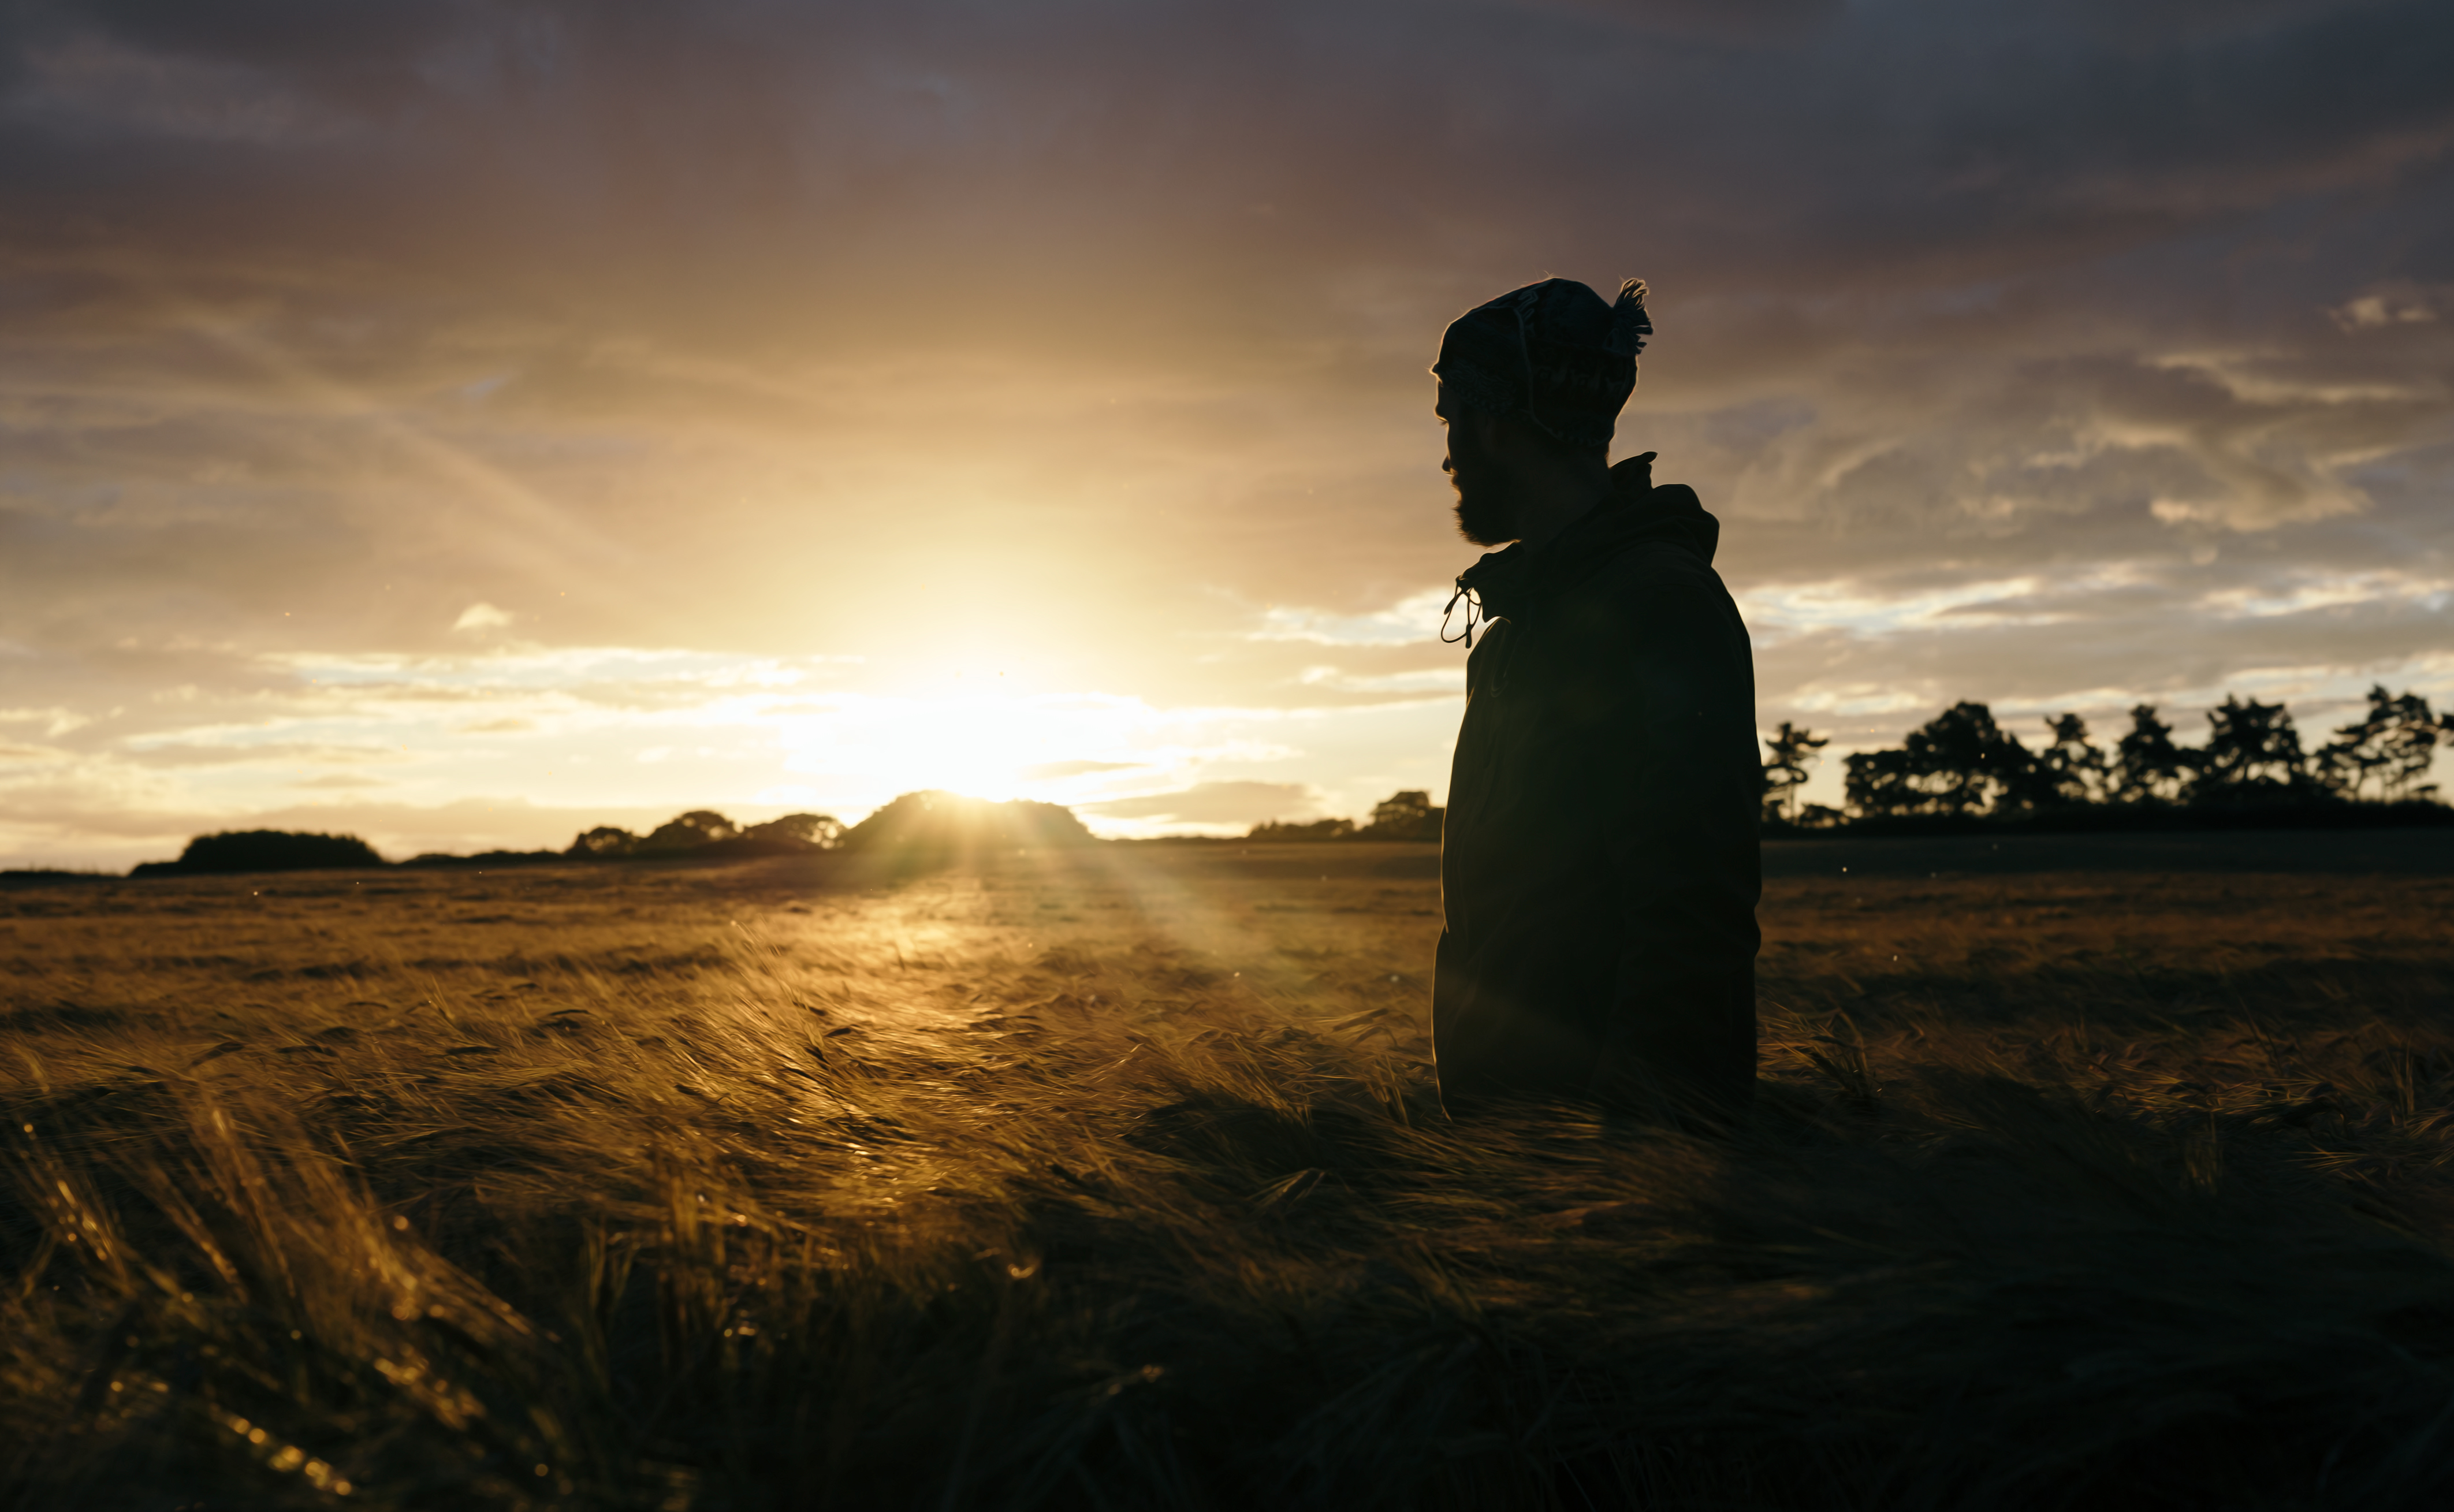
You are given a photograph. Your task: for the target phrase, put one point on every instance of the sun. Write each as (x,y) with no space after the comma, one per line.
(980,744)
(983,724)
(970,746)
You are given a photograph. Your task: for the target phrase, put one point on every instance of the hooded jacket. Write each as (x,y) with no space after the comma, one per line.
(1598,862)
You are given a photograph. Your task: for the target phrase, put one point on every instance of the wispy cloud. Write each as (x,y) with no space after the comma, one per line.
(1413,620)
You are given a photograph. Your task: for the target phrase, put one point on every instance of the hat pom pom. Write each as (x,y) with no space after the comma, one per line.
(1630,325)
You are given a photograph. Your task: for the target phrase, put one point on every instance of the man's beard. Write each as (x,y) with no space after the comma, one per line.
(1483,512)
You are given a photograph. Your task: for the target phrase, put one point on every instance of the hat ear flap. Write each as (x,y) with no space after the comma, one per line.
(1630,325)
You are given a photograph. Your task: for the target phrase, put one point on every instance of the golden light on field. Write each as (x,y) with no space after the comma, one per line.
(1105,1138)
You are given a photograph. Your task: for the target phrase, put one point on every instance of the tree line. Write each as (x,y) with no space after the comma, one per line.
(1960,764)
(1963,763)
(929,822)
(701,828)
(1407,815)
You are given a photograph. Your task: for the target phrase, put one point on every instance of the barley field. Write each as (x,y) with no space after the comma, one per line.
(1111,1179)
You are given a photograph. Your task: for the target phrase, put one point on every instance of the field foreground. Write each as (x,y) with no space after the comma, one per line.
(1110,1179)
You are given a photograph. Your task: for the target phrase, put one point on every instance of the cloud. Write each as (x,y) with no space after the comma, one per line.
(1413,622)
(1421,680)
(55,721)
(2089,350)
(1050,770)
(1215,804)
(2401,306)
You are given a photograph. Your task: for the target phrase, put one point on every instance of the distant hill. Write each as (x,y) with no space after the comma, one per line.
(934,822)
(264,851)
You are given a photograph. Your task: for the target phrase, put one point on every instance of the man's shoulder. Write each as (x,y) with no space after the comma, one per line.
(1660,558)
(1647,579)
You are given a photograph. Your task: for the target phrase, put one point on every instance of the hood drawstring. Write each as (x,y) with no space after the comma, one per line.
(1474,613)
(1500,571)
(1479,612)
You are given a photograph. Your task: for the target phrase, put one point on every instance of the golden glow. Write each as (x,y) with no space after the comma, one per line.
(977,746)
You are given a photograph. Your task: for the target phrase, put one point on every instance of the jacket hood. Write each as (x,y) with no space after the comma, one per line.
(1507,583)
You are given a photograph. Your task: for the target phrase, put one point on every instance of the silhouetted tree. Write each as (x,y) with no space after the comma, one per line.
(1958,762)
(270,851)
(2071,771)
(2252,751)
(603,842)
(1315,829)
(2392,747)
(688,831)
(819,832)
(1405,815)
(1883,783)
(2148,766)
(1792,754)
(1965,759)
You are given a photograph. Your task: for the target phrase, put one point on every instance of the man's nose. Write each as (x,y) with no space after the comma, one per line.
(1447,465)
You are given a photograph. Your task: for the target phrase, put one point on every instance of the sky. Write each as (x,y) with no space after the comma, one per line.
(464,424)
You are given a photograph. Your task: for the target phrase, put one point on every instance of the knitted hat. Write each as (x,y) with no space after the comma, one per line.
(1551,353)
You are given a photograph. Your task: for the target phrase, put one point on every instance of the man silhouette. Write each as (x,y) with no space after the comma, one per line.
(1598,864)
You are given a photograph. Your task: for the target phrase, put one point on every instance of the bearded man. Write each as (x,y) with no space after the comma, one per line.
(1598,861)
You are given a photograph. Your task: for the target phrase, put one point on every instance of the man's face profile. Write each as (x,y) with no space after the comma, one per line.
(1483,512)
